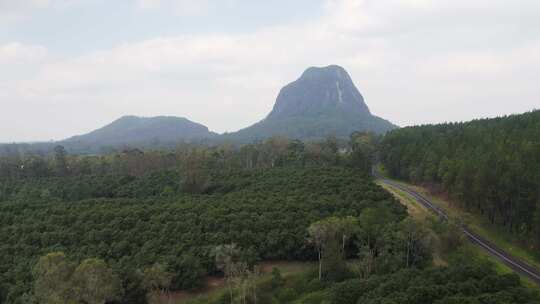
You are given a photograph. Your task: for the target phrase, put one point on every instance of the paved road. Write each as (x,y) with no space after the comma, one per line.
(514,263)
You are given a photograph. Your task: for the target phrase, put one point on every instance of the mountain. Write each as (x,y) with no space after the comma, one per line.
(323,101)
(142,131)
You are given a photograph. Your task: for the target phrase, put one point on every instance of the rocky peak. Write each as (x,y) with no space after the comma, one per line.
(319,91)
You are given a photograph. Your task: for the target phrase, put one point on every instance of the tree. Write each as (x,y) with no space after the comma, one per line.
(52,279)
(317,236)
(372,238)
(60,160)
(363,146)
(239,274)
(371,222)
(227,259)
(348,227)
(416,243)
(188,273)
(275,149)
(157,281)
(329,236)
(487,166)
(95,283)
(451,238)
(366,261)
(195,174)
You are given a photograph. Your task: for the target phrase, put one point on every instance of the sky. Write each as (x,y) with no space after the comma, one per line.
(68,67)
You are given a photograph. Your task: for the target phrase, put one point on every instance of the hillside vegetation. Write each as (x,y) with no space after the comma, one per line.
(324,101)
(135,227)
(490,167)
(135,209)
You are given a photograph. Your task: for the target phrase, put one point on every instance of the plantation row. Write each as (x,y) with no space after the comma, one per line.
(265,212)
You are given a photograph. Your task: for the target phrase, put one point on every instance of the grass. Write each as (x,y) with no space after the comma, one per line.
(415,210)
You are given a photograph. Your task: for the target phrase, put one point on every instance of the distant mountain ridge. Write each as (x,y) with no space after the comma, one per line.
(129,129)
(143,132)
(323,101)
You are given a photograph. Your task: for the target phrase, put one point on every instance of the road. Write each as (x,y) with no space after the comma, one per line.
(514,263)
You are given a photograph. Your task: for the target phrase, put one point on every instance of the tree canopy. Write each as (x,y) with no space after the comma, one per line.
(489,166)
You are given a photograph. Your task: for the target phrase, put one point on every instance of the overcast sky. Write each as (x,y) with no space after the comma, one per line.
(70,66)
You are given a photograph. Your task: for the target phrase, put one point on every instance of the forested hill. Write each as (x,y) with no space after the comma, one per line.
(140,131)
(127,132)
(323,101)
(489,166)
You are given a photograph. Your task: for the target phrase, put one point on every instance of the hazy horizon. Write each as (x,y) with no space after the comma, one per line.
(68,67)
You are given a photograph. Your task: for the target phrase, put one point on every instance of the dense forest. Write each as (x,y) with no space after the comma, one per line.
(137,208)
(134,226)
(488,166)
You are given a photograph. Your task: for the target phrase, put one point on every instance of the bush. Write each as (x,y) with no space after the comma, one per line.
(317,297)
(347,292)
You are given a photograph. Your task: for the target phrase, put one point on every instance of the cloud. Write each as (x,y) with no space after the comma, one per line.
(10,10)
(415,61)
(15,53)
(15,10)
(191,8)
(179,7)
(10,5)
(148,4)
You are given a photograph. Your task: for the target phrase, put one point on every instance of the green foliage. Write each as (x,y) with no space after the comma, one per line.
(348,292)
(95,283)
(472,280)
(490,166)
(156,277)
(58,280)
(386,245)
(467,282)
(330,237)
(363,149)
(286,295)
(52,274)
(195,161)
(156,280)
(277,279)
(266,212)
(450,238)
(188,272)
(60,160)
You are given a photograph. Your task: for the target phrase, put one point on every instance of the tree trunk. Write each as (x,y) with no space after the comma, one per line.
(343,245)
(408,249)
(230,290)
(320,266)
